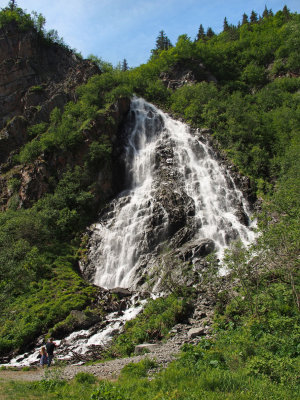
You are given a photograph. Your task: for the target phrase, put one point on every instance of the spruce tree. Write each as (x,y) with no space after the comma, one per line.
(265,13)
(253,17)
(201,33)
(210,33)
(12,4)
(245,19)
(286,12)
(160,40)
(163,42)
(225,25)
(125,65)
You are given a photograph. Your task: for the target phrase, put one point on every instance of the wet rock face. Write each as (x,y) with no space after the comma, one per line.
(178,205)
(196,248)
(35,78)
(171,210)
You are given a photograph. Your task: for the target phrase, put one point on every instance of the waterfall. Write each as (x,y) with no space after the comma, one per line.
(173,180)
(176,193)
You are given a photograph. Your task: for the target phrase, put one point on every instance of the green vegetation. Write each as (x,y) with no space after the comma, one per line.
(39,280)
(200,372)
(13,14)
(253,112)
(152,324)
(39,285)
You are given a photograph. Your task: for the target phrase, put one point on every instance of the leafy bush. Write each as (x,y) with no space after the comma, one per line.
(36,89)
(85,378)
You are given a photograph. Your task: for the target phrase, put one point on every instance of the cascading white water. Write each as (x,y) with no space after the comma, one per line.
(121,238)
(118,253)
(215,195)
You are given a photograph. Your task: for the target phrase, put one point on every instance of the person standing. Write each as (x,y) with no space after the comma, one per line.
(50,346)
(44,357)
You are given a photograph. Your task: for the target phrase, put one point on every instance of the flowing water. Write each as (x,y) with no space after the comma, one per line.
(81,342)
(121,238)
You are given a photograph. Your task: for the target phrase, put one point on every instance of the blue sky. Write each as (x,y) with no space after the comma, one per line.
(118,29)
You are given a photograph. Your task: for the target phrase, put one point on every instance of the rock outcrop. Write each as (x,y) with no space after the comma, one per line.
(35,77)
(34,180)
(186,73)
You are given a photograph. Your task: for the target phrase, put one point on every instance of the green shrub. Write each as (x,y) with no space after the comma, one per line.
(85,378)
(108,391)
(138,370)
(14,184)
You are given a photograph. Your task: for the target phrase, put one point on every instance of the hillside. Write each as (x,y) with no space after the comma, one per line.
(61,142)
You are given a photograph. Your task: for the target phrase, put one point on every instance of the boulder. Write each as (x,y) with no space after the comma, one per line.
(242,216)
(121,292)
(194,332)
(186,73)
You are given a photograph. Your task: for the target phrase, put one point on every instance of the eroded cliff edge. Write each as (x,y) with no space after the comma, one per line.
(35,78)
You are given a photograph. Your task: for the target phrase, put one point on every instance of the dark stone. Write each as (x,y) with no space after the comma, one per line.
(121,292)
(77,320)
(242,216)
(196,249)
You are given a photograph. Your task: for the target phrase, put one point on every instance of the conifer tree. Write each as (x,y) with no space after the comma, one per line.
(210,33)
(12,4)
(265,13)
(225,25)
(125,65)
(201,33)
(253,17)
(245,19)
(163,42)
(286,12)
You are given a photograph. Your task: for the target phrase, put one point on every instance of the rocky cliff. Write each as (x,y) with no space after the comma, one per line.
(35,77)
